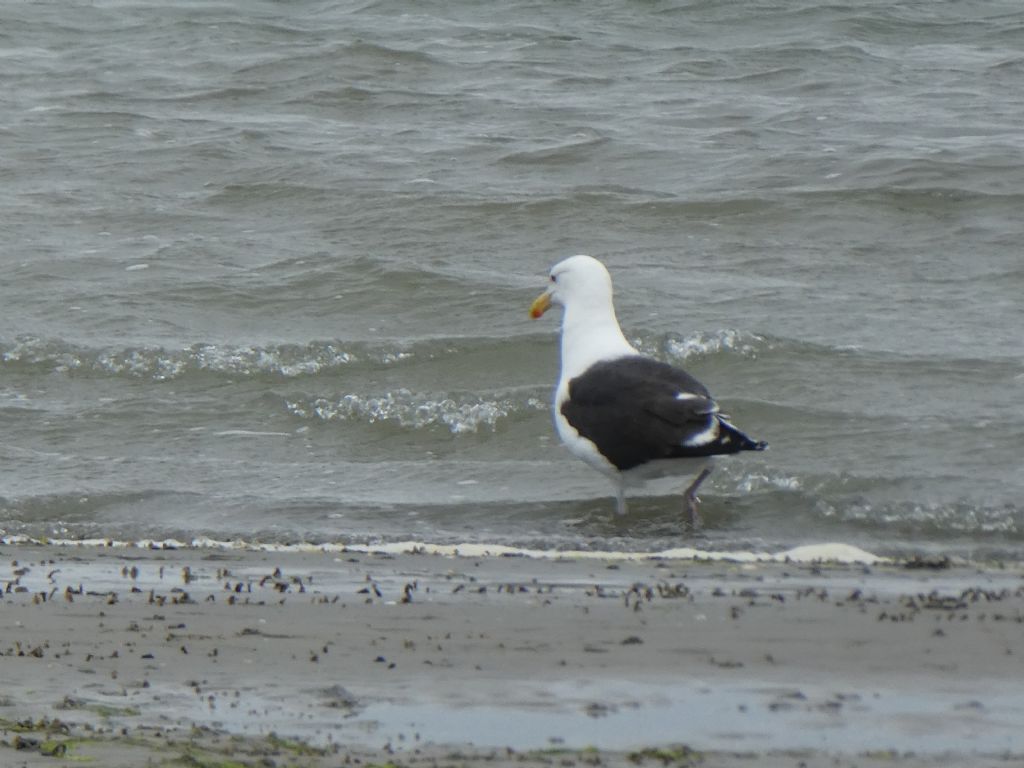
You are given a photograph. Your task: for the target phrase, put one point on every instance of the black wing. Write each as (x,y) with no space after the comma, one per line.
(635,410)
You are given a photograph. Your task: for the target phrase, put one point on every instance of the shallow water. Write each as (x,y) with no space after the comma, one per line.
(266,267)
(631,716)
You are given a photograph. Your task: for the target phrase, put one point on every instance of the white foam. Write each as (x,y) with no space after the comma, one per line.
(757,481)
(162,364)
(831,552)
(709,343)
(408,409)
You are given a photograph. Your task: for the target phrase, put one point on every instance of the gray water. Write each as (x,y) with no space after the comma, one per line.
(266,266)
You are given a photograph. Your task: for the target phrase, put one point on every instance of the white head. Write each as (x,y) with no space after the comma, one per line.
(579,281)
(590,332)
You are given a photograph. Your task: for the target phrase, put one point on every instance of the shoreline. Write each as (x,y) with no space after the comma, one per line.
(829,552)
(302,656)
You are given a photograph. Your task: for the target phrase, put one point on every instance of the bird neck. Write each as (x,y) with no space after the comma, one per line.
(589,337)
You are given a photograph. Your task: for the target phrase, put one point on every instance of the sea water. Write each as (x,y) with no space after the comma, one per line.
(266,266)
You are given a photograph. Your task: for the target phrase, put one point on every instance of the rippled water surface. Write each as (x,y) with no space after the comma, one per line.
(266,266)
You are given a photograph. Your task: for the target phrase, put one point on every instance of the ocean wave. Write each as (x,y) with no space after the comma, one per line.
(266,192)
(935,518)
(413,410)
(755,482)
(736,343)
(912,188)
(577,149)
(163,364)
(725,341)
(679,349)
(830,552)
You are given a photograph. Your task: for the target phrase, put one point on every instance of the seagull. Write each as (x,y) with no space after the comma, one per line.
(628,416)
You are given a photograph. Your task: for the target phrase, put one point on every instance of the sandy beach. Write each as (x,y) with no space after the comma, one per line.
(220,657)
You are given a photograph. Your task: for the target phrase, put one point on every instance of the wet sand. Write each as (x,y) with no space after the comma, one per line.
(129,656)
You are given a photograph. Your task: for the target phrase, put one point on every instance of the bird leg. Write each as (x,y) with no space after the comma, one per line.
(620,500)
(692,502)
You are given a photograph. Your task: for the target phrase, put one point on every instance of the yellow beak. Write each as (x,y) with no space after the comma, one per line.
(540,305)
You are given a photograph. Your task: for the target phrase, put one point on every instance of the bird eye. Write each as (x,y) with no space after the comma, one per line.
(554,279)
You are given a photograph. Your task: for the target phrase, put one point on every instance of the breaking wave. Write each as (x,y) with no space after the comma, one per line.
(294,360)
(163,364)
(935,519)
(728,341)
(414,410)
